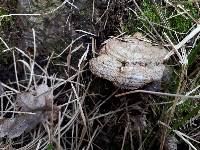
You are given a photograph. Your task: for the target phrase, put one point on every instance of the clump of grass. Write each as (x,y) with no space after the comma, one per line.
(175,19)
(163,18)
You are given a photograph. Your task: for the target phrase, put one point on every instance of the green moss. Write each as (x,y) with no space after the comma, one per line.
(50,147)
(4,22)
(184,113)
(161,17)
(150,12)
(192,58)
(182,23)
(133,24)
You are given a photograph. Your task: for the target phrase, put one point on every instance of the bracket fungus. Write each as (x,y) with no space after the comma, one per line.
(130,62)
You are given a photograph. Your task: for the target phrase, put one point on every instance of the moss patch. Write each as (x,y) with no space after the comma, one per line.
(163,18)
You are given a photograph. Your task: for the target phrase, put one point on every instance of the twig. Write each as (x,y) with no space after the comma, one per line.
(73,41)
(79,104)
(15,68)
(83,57)
(86,32)
(170,113)
(12,89)
(66,1)
(188,37)
(10,15)
(32,63)
(108,5)
(158,93)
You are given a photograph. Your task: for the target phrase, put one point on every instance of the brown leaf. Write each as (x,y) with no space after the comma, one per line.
(44,96)
(16,126)
(28,102)
(40,104)
(5,126)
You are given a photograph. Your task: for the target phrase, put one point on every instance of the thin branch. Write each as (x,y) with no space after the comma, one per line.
(157,93)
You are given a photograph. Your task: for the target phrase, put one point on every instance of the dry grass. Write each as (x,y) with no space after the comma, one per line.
(93,114)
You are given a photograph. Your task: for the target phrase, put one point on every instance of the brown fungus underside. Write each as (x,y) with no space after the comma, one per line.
(129,62)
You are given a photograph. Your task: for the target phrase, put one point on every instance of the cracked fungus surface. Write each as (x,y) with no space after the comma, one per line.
(130,62)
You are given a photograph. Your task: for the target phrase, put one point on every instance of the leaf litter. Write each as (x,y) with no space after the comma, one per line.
(38,106)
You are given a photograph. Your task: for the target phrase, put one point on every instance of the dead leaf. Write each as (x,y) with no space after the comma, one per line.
(27,101)
(40,105)
(16,126)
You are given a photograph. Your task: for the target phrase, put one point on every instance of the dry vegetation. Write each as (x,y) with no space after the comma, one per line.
(81,111)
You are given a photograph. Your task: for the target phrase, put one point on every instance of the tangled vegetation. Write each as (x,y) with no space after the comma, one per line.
(176,20)
(87,112)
